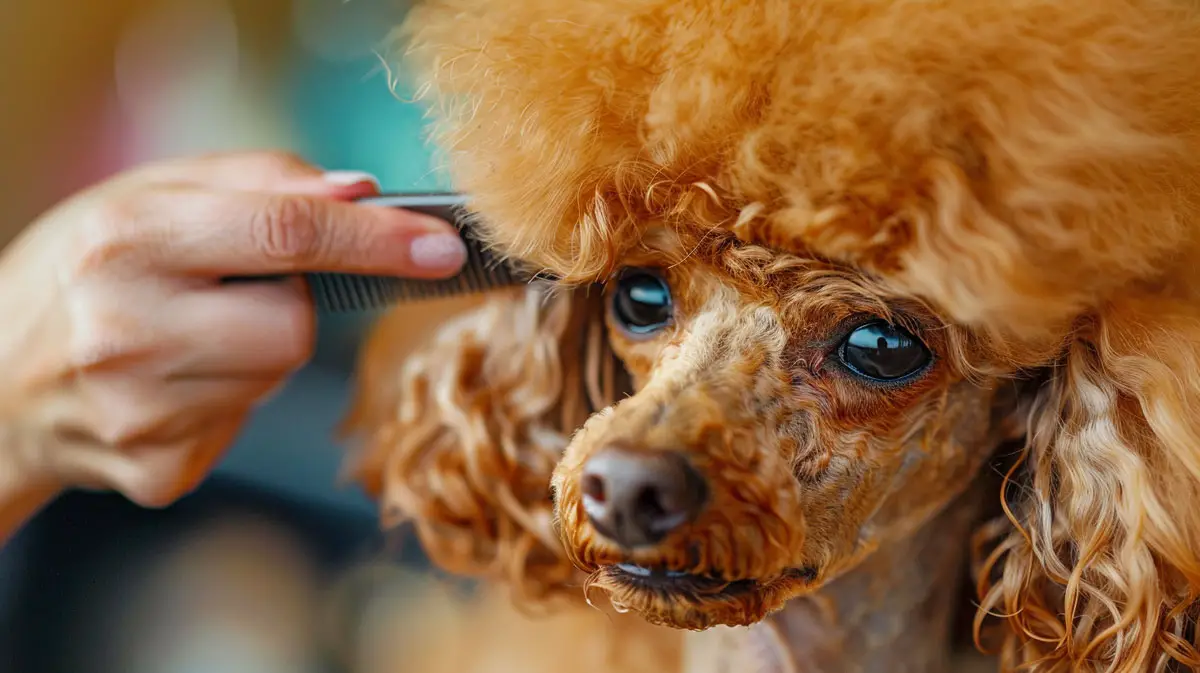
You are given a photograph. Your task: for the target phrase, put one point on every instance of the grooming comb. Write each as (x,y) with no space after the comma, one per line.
(483,270)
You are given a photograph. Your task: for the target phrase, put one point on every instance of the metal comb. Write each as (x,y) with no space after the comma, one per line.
(340,292)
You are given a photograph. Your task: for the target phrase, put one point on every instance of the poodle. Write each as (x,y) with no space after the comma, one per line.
(821,267)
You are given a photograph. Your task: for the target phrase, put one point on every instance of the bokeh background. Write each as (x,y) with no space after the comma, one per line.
(272,566)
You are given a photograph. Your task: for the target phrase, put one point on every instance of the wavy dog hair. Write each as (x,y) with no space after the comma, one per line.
(1029,168)
(461,435)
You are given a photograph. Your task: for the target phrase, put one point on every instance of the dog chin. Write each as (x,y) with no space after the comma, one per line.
(696,602)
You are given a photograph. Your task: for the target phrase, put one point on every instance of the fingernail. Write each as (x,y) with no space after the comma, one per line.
(438,252)
(347,178)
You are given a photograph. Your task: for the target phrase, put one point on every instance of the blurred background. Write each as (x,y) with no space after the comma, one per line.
(272,566)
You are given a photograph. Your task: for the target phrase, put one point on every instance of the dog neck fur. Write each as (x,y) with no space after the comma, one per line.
(891,614)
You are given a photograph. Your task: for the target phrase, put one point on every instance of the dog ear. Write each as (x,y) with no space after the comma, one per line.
(1102,566)
(461,436)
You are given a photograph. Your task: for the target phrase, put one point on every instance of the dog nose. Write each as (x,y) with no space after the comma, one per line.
(637,498)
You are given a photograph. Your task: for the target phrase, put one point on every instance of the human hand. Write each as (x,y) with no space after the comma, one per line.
(127,363)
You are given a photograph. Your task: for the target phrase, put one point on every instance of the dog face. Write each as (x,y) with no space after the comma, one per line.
(789,417)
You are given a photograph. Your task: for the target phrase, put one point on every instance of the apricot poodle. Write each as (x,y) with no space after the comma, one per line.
(820,264)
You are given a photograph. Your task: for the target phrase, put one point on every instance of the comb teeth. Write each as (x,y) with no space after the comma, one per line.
(483,271)
(339,293)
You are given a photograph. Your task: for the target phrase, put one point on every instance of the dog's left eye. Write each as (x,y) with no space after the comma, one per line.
(883,352)
(642,302)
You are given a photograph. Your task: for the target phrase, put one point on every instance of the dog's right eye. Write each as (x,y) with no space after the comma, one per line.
(642,302)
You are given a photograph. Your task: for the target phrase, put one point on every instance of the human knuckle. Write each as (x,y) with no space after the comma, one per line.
(91,351)
(95,338)
(151,489)
(285,230)
(106,233)
(125,427)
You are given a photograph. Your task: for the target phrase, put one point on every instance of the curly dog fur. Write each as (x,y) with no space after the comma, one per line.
(1016,184)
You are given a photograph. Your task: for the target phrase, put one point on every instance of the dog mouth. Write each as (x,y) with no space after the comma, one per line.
(696,600)
(663,580)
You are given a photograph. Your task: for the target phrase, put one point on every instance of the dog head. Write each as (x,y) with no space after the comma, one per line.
(837,239)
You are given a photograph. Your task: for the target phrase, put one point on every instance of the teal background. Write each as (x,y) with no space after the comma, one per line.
(346,114)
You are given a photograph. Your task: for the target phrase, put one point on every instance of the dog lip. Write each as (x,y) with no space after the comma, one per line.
(642,571)
(678,581)
(662,579)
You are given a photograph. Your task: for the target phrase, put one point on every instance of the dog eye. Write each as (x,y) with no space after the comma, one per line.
(883,352)
(642,302)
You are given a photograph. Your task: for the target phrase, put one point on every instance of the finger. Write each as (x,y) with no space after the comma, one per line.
(128,411)
(235,330)
(207,454)
(155,475)
(248,234)
(273,172)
